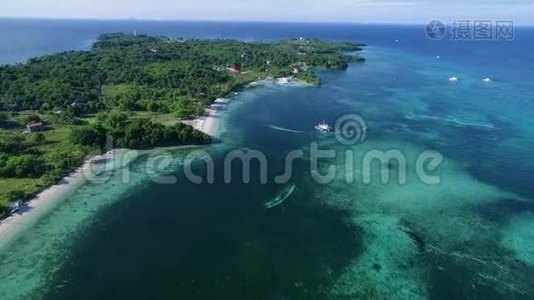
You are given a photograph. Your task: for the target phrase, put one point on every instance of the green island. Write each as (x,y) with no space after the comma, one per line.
(55,110)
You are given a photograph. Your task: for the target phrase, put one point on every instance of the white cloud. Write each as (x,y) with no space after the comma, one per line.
(405,11)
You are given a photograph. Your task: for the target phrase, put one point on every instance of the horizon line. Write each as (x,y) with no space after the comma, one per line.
(204,20)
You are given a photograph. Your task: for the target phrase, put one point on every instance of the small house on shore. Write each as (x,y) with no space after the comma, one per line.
(35,127)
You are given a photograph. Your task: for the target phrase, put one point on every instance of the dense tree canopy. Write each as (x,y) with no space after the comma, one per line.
(124,73)
(156,73)
(135,133)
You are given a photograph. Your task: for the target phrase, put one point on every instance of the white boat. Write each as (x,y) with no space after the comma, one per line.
(487,80)
(454,79)
(323,127)
(285,80)
(285,193)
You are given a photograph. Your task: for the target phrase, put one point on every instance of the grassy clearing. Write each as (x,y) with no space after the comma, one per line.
(167,119)
(56,141)
(26,185)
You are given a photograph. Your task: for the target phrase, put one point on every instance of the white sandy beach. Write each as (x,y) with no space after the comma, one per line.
(47,199)
(209,121)
(284,81)
(39,205)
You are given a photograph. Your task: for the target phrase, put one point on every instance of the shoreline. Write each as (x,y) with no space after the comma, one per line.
(45,200)
(33,209)
(40,204)
(209,121)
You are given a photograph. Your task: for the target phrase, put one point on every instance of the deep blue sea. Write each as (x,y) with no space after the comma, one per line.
(469,236)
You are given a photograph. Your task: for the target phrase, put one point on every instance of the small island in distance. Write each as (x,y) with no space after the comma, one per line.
(57,109)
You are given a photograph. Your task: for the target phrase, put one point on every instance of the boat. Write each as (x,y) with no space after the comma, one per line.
(285,81)
(282,196)
(487,80)
(323,127)
(454,79)
(16,207)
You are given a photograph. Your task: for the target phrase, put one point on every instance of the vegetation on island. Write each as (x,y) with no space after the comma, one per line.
(135,89)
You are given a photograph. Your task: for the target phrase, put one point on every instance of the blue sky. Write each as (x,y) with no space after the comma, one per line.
(357,11)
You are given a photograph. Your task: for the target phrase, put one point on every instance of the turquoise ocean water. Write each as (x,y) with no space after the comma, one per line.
(469,237)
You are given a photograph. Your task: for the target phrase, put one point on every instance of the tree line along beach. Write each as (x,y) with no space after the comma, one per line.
(144,91)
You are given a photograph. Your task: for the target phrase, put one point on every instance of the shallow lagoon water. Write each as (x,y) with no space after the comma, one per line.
(467,237)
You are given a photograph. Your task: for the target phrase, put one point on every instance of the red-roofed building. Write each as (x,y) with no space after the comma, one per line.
(235,68)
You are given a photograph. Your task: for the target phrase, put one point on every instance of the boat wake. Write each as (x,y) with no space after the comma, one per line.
(285,129)
(460,120)
(282,196)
